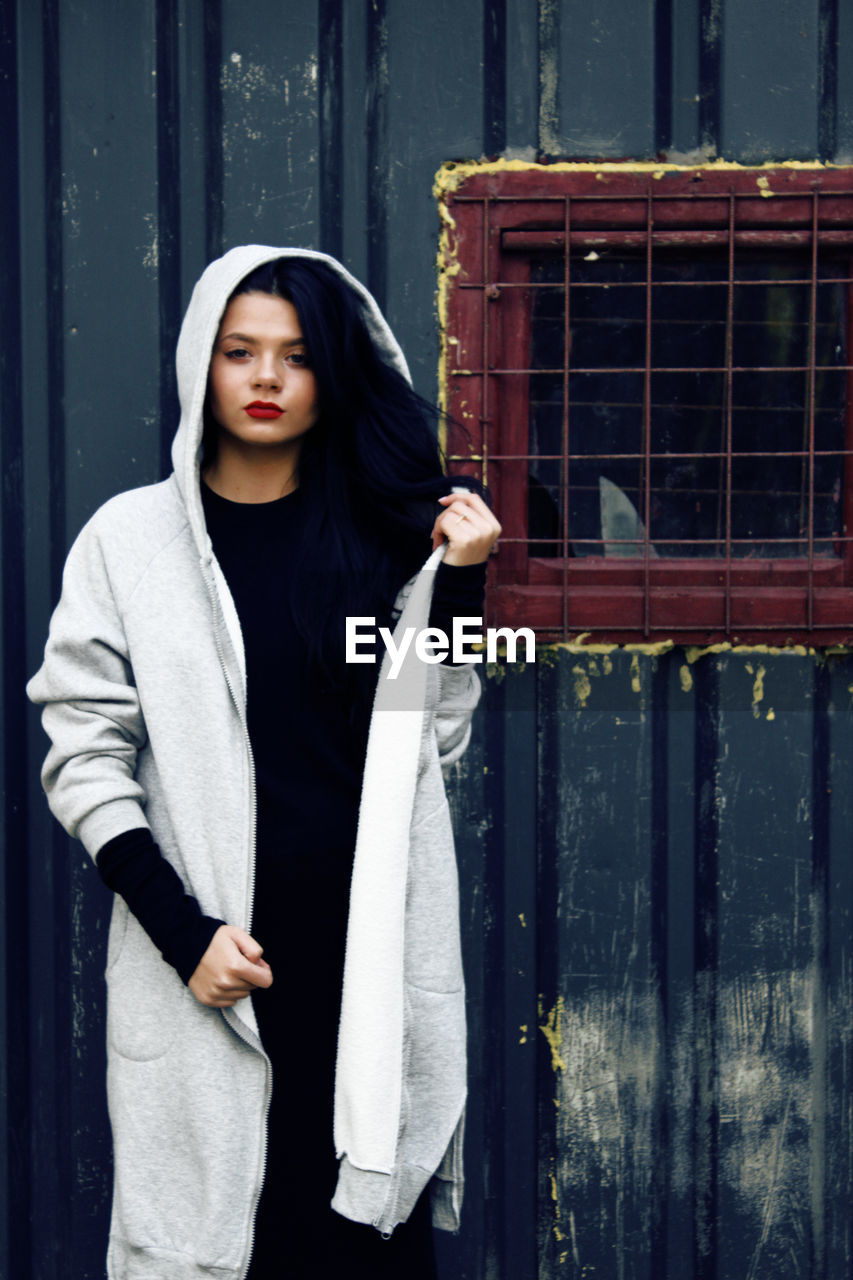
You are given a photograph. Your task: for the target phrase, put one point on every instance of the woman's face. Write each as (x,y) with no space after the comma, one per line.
(261,389)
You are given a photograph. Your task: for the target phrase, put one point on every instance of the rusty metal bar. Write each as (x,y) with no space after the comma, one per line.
(847,483)
(729,397)
(812,378)
(484,406)
(564,463)
(611,369)
(647,422)
(767,566)
(633,457)
(758,238)
(661,197)
(659,284)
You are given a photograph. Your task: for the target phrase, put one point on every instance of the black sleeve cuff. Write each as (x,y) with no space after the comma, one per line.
(459,593)
(131,864)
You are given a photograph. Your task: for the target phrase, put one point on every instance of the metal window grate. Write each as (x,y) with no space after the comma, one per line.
(655,376)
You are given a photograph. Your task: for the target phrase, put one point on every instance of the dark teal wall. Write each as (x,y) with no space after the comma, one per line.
(656,856)
(655,871)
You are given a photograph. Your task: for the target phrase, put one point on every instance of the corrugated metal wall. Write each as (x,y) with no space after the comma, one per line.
(655,846)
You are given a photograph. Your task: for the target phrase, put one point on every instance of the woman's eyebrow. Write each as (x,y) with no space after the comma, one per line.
(244,337)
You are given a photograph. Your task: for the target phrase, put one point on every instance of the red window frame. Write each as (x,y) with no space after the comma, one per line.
(493,218)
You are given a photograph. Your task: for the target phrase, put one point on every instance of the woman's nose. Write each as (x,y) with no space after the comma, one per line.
(268,372)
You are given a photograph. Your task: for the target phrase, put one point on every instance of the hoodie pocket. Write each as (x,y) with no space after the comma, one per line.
(115,937)
(144,995)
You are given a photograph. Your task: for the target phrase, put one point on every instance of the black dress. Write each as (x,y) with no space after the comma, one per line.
(309,757)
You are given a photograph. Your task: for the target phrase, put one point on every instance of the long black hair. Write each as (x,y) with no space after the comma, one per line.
(370,468)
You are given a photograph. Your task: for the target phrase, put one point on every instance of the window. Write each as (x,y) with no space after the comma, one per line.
(653,371)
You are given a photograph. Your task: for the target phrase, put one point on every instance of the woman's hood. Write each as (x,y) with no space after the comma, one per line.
(195,345)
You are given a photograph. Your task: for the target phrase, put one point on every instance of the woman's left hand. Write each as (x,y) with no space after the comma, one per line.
(469,527)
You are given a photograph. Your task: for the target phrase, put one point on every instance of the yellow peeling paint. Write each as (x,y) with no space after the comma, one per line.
(453,173)
(447,267)
(497,670)
(686,677)
(548,653)
(694,652)
(553,1180)
(757,688)
(635,674)
(522,919)
(651,650)
(764,186)
(583,688)
(579,645)
(654,649)
(552,1031)
(771,714)
(523,1030)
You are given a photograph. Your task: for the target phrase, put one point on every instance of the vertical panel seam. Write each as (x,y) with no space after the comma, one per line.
(706,1102)
(55,320)
(548,32)
(659,840)
(330,49)
(710,74)
(213,136)
(827,120)
(819,927)
(168,218)
(663,74)
(14,1075)
(494,77)
(377,149)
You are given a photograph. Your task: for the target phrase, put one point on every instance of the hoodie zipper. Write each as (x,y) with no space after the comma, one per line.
(235,1024)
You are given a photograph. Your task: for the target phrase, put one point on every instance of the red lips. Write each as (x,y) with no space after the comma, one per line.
(263,409)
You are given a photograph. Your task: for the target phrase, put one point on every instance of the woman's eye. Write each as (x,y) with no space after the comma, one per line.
(236,353)
(299,358)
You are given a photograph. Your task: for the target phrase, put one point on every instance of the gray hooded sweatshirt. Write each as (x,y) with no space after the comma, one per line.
(144,697)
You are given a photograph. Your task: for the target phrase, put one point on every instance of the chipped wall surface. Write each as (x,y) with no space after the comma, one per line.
(674,914)
(654,841)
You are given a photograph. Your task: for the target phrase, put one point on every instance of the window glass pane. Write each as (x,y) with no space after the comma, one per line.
(696,490)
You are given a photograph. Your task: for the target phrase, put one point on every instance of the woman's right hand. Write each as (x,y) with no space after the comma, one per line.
(230,969)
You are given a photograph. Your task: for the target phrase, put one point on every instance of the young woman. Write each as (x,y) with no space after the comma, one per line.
(283,960)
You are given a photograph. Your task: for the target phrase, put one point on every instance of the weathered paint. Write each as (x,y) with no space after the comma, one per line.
(646,1055)
(657,896)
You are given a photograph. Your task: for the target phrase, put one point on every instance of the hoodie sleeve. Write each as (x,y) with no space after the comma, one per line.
(91,710)
(131,864)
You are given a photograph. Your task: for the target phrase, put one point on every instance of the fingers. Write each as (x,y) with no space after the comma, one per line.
(251,949)
(260,975)
(468,526)
(230,969)
(470,498)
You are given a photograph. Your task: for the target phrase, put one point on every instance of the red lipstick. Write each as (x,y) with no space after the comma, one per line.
(263,409)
